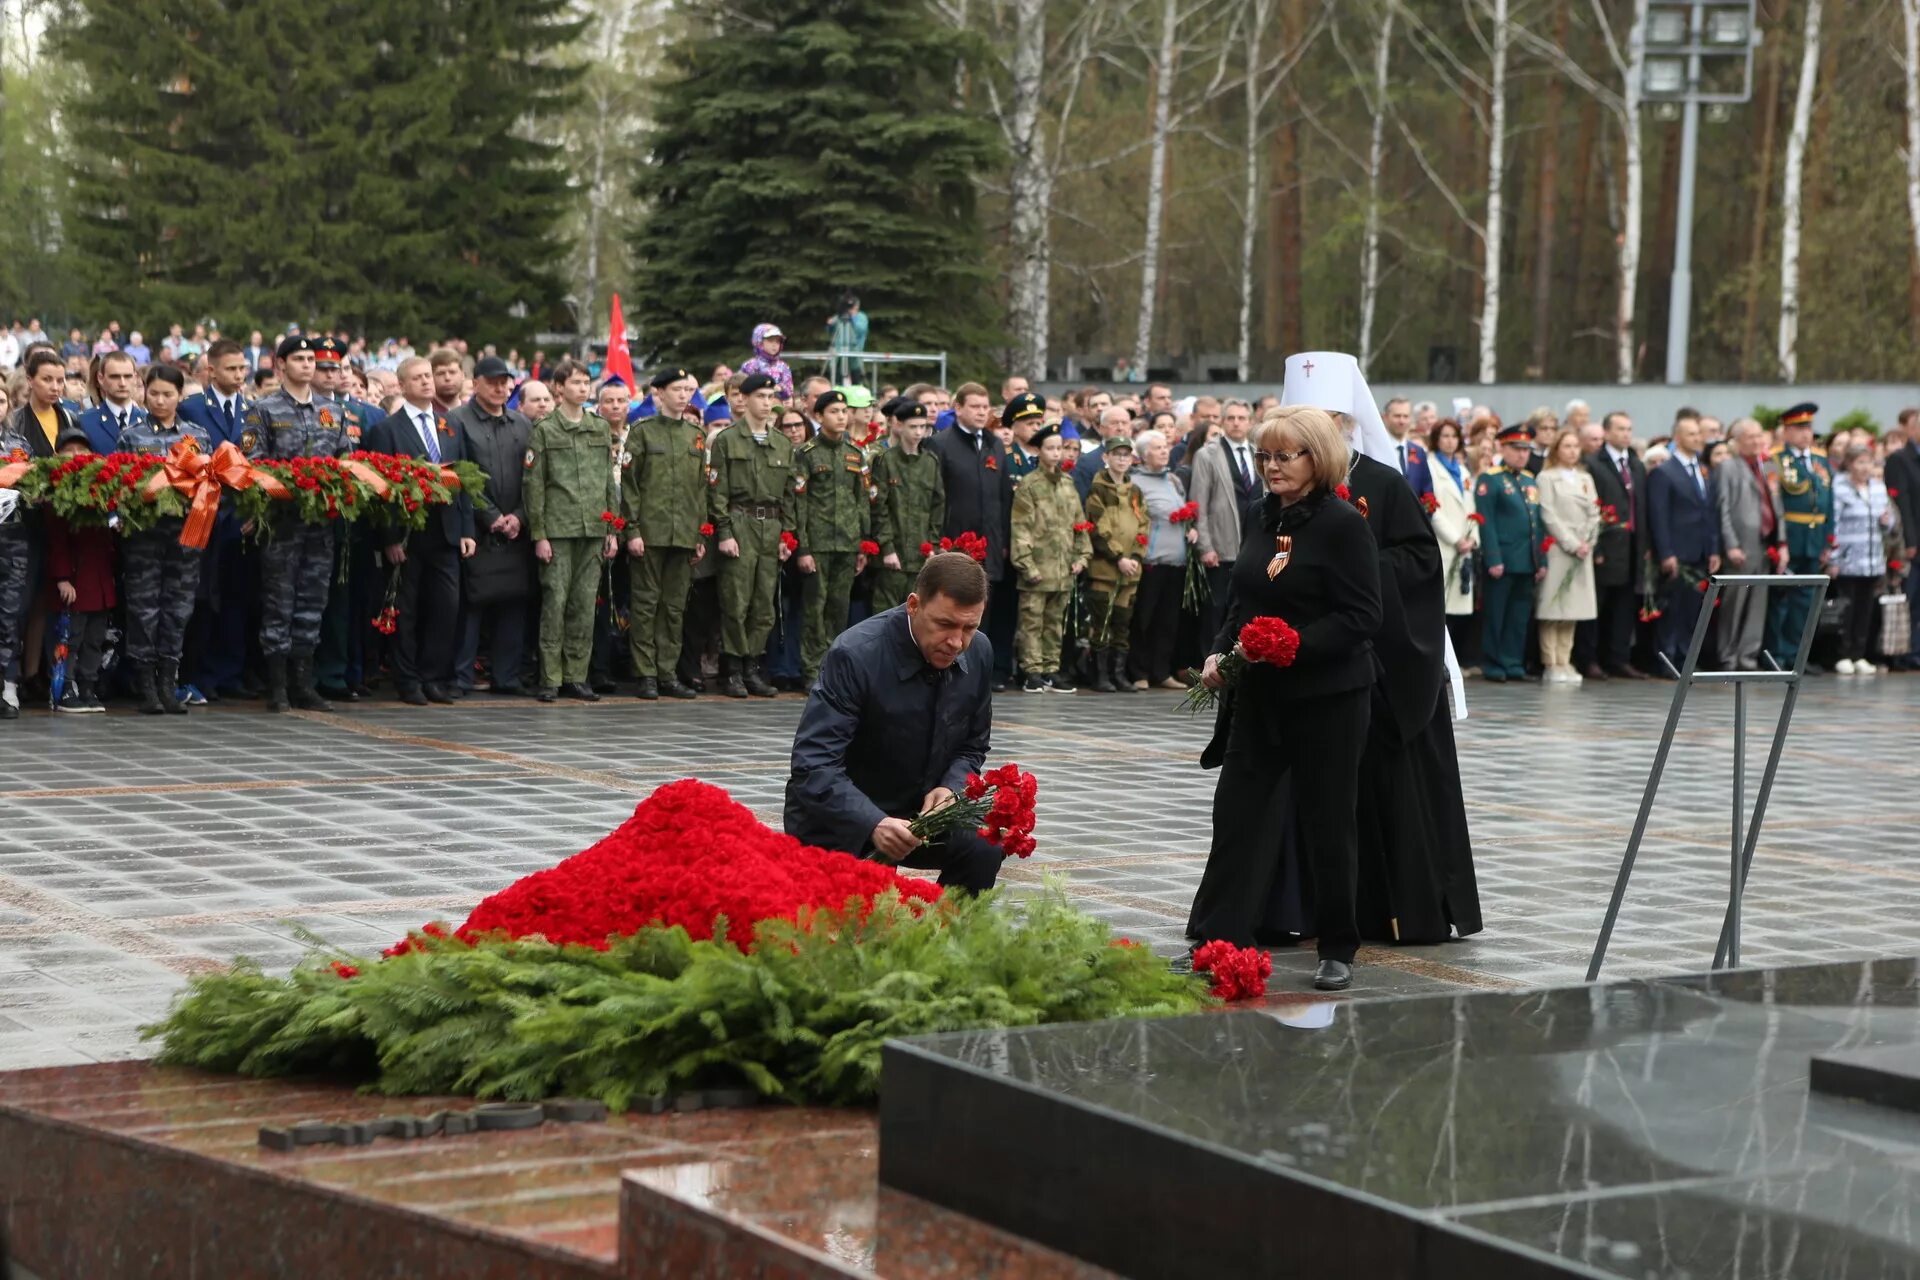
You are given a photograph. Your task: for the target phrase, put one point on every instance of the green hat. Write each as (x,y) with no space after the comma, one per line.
(858,397)
(1115,444)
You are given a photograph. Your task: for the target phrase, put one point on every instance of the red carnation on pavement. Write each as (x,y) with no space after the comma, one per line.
(1238,973)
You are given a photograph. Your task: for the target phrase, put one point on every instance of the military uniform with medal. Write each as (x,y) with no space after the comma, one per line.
(1805,482)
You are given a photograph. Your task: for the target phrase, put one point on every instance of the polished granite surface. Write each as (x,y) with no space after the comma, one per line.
(1640,1128)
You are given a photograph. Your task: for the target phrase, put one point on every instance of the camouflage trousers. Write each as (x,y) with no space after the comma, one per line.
(746,587)
(158,578)
(14,563)
(891,587)
(1043,626)
(296,573)
(1110,605)
(826,593)
(662,580)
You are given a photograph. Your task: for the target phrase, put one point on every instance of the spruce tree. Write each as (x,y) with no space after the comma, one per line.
(805,148)
(325,161)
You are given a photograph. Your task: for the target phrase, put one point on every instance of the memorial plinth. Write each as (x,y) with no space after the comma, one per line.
(1629,1129)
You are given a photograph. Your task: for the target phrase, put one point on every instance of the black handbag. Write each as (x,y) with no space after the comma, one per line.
(1834,612)
(499,571)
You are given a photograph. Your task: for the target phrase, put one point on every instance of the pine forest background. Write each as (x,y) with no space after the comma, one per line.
(1016,181)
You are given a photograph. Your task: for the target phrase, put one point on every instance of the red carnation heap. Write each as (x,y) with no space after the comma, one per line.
(1238,973)
(689,854)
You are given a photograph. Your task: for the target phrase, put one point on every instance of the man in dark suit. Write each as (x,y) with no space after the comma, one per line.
(1903,485)
(1412,459)
(429,559)
(495,437)
(1620,480)
(1684,526)
(979,481)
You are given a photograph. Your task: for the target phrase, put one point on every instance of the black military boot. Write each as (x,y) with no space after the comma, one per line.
(277,685)
(732,683)
(649,690)
(167,686)
(1117,671)
(300,690)
(145,691)
(1102,678)
(757,683)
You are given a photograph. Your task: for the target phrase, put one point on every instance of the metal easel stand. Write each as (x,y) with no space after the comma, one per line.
(1727,953)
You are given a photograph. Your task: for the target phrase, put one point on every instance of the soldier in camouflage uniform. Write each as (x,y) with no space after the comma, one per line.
(569,490)
(664,499)
(750,503)
(910,506)
(159,576)
(1049,550)
(833,515)
(1118,515)
(297,561)
(340,663)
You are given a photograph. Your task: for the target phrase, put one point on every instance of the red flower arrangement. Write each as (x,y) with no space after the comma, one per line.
(999,804)
(1184,514)
(1238,973)
(689,856)
(1476,517)
(1429,503)
(869,548)
(1648,613)
(706,530)
(788,541)
(617,523)
(969,543)
(387,621)
(1268,640)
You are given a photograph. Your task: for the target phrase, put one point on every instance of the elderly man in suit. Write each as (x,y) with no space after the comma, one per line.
(1225,480)
(1620,480)
(428,558)
(1685,531)
(1749,528)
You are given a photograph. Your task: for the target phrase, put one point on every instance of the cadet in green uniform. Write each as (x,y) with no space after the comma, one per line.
(1049,550)
(1806,516)
(1118,515)
(910,508)
(750,505)
(665,503)
(833,515)
(569,489)
(1509,504)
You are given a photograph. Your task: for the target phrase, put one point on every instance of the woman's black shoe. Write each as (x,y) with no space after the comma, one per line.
(1332,975)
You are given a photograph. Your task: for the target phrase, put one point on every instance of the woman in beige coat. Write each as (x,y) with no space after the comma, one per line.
(1570,508)
(1457,532)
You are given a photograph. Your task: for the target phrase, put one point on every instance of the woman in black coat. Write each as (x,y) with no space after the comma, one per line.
(1307,558)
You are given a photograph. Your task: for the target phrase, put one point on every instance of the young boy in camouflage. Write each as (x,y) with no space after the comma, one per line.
(911,506)
(1119,519)
(569,489)
(1049,551)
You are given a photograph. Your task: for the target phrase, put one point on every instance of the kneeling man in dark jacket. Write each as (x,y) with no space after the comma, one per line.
(901,714)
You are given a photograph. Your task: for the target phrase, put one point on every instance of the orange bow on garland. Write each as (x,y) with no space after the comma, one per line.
(199,479)
(18,463)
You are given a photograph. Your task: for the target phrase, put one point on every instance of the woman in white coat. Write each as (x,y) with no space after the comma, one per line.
(1570,508)
(1458,532)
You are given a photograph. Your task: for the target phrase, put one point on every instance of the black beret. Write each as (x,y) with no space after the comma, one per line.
(754,382)
(905,410)
(667,377)
(291,343)
(826,400)
(1041,436)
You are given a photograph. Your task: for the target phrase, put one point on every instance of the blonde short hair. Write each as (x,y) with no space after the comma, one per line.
(1313,430)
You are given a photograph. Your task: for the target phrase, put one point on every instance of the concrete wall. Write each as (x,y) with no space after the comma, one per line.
(1651,404)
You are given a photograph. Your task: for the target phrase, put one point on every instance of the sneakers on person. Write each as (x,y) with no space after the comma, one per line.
(191,695)
(72,701)
(1033,684)
(10,694)
(1843,667)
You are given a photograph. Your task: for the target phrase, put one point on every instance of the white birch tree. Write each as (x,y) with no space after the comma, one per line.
(1376,160)
(1491,242)
(1910,75)
(1790,196)
(1622,101)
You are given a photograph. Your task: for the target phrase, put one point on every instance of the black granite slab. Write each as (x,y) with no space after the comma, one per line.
(1555,1132)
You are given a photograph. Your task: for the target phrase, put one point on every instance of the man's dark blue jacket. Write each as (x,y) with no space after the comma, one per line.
(881,729)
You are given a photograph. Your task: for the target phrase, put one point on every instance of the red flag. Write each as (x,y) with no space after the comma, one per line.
(618,360)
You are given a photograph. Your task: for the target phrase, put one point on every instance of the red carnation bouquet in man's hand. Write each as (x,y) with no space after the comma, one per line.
(1268,640)
(999,805)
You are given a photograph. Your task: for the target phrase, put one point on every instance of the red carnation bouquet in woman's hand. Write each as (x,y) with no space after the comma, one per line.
(1195,594)
(1268,640)
(999,805)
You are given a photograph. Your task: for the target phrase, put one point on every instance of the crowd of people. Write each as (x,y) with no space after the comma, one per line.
(712,534)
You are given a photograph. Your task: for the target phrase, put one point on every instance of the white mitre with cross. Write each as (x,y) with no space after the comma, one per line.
(1332,380)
